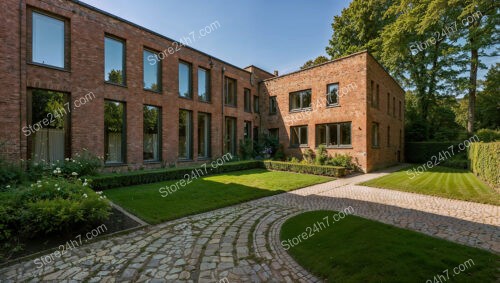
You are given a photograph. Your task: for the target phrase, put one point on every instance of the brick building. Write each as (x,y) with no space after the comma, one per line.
(75,77)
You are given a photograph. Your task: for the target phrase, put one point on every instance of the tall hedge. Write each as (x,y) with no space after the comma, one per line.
(485,162)
(421,152)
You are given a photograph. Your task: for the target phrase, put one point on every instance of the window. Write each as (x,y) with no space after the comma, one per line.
(333,135)
(203,85)
(400,138)
(50,138)
(114,61)
(185,134)
(388,136)
(256,104)
(332,95)
(48,40)
(247,132)
(375,135)
(300,100)
(394,106)
(114,132)
(230,135)
(399,110)
(204,135)
(372,94)
(273,105)
(152,70)
(185,79)
(376,98)
(274,133)
(229,91)
(247,100)
(255,135)
(298,136)
(152,133)
(388,104)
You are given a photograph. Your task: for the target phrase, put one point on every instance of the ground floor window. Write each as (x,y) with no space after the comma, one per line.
(334,135)
(230,135)
(114,131)
(185,134)
(204,135)
(375,135)
(255,135)
(298,136)
(152,133)
(48,128)
(247,130)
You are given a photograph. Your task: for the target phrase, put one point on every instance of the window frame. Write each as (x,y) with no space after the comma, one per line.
(301,99)
(247,100)
(273,105)
(159,133)
(190,79)
(124,59)
(338,134)
(300,144)
(375,137)
(124,135)
(208,84)
(328,104)
(234,143)
(256,106)
(208,131)
(159,70)
(226,92)
(247,127)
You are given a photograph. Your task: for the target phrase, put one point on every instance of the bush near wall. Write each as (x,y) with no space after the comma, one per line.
(485,162)
(421,152)
(115,180)
(333,171)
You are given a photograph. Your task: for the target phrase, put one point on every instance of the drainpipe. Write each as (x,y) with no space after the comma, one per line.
(223,70)
(20,79)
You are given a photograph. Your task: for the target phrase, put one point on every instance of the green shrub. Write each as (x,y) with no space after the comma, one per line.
(342,160)
(421,152)
(280,153)
(83,164)
(294,160)
(321,155)
(487,135)
(308,156)
(485,162)
(246,149)
(10,174)
(333,171)
(115,180)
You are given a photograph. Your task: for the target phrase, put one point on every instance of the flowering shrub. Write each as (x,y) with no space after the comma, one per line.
(84,164)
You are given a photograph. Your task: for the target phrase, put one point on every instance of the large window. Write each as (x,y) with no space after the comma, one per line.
(48,40)
(247,130)
(273,105)
(185,79)
(185,134)
(230,135)
(50,123)
(114,61)
(114,132)
(334,135)
(332,95)
(300,100)
(375,135)
(203,85)
(247,100)
(229,91)
(152,70)
(298,136)
(256,104)
(152,133)
(203,135)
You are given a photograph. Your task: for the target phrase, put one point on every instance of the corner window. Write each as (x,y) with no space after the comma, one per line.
(247,100)
(334,135)
(273,105)
(256,104)
(114,61)
(185,79)
(152,70)
(203,85)
(375,135)
(185,134)
(204,135)
(332,96)
(114,132)
(298,136)
(152,133)
(229,91)
(300,100)
(48,40)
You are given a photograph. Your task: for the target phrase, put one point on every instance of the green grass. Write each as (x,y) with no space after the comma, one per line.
(207,193)
(360,250)
(439,181)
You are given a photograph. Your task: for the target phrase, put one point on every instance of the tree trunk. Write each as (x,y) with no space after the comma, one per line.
(472,90)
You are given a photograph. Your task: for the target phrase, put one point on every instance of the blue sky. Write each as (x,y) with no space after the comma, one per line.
(274,35)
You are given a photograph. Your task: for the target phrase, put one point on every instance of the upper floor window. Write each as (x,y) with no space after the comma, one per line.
(388,104)
(48,40)
(229,91)
(114,60)
(394,106)
(273,105)
(185,80)
(400,110)
(203,84)
(376,98)
(332,95)
(256,104)
(152,70)
(247,101)
(300,100)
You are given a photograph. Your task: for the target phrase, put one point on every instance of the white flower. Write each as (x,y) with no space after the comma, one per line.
(39,186)
(55,171)
(85,195)
(73,160)
(99,192)
(67,159)
(58,189)
(38,182)
(58,169)
(8,187)
(74,174)
(85,184)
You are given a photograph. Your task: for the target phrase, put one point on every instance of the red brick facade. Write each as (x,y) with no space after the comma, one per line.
(86,30)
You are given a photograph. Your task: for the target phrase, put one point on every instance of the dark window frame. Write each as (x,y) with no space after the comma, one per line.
(226,92)
(208,84)
(338,134)
(208,136)
(159,70)
(301,93)
(189,138)
(124,135)
(256,106)
(233,139)
(247,127)
(160,133)
(375,137)
(273,105)
(124,58)
(247,100)
(300,128)
(190,79)
(328,95)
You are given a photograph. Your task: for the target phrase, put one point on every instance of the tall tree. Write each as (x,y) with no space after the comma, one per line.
(317,61)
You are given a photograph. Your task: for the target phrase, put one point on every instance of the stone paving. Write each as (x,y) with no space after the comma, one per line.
(241,243)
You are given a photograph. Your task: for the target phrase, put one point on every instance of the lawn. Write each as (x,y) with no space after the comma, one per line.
(439,181)
(207,193)
(360,250)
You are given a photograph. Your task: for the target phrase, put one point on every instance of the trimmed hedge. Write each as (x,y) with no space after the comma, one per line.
(333,171)
(421,152)
(109,181)
(485,162)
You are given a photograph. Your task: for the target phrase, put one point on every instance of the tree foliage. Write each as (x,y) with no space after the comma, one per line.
(311,63)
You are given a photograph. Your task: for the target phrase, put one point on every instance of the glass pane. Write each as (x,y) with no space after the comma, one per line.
(230,136)
(303,135)
(320,134)
(48,40)
(256,104)
(375,134)
(152,65)
(247,100)
(294,101)
(345,134)
(114,116)
(273,105)
(332,96)
(230,97)
(203,134)
(306,99)
(203,85)
(152,133)
(295,136)
(332,135)
(113,60)
(184,80)
(184,134)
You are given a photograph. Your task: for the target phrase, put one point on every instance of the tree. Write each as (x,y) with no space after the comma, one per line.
(317,61)
(488,101)
(115,76)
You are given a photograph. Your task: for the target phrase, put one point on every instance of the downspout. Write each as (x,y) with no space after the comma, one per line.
(223,70)
(20,78)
